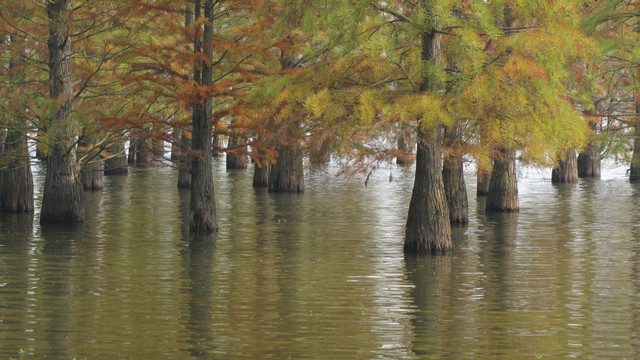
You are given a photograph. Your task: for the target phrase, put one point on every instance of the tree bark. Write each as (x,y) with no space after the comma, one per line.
(16,179)
(261,172)
(455,189)
(117,164)
(144,153)
(428,226)
(202,207)
(235,161)
(63,198)
(634,173)
(286,173)
(566,172)
(184,174)
(403,147)
(589,162)
(503,188)
(483,179)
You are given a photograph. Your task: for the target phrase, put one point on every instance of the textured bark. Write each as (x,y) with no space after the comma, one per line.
(157,147)
(455,189)
(286,173)
(91,176)
(144,153)
(184,175)
(483,180)
(320,149)
(235,161)
(261,173)
(589,163)
(117,164)
(566,172)
(63,198)
(634,173)
(133,151)
(202,206)
(503,188)
(428,226)
(16,179)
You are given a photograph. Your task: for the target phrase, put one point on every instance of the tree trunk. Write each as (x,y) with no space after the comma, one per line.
(261,172)
(320,149)
(566,172)
(589,162)
(144,153)
(634,173)
(403,147)
(428,226)
(503,188)
(63,198)
(184,174)
(286,173)
(133,151)
(91,172)
(202,207)
(484,179)
(235,161)
(455,189)
(16,179)
(117,164)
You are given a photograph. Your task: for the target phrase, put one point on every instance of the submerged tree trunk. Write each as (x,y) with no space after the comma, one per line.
(63,198)
(235,161)
(589,162)
(117,163)
(202,207)
(261,172)
(455,189)
(286,173)
(91,172)
(503,188)
(634,173)
(132,151)
(428,226)
(144,153)
(184,174)
(483,179)
(566,172)
(16,179)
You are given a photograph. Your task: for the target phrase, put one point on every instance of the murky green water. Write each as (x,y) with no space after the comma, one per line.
(322,275)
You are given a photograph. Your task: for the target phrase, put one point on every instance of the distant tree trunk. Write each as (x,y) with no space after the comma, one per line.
(634,173)
(91,173)
(235,161)
(483,179)
(428,227)
(320,149)
(589,162)
(63,198)
(157,146)
(202,207)
(16,179)
(261,172)
(117,163)
(184,174)
(133,151)
(503,188)
(454,184)
(403,146)
(286,173)
(566,172)
(144,153)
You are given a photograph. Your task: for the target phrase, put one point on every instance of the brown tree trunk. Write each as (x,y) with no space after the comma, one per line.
(403,147)
(261,172)
(91,172)
(566,172)
(634,173)
(16,179)
(132,151)
(589,163)
(455,189)
(286,173)
(503,188)
(235,161)
(428,226)
(202,206)
(144,153)
(117,163)
(483,179)
(63,198)
(320,149)
(184,174)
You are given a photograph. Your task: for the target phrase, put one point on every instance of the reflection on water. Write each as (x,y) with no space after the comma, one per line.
(322,275)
